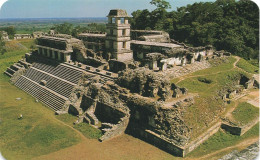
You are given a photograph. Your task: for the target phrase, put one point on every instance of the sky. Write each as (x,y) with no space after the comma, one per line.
(76,8)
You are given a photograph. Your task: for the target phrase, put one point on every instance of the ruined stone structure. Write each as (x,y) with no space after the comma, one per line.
(60,47)
(22,36)
(109,81)
(5,36)
(38,34)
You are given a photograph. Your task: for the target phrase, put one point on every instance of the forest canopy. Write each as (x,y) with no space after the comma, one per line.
(226,24)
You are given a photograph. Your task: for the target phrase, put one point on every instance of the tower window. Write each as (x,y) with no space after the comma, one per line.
(113,20)
(124,44)
(124,32)
(122,20)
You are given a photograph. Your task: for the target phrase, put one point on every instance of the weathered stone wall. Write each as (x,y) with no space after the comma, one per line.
(106,113)
(156,140)
(116,129)
(203,137)
(239,130)
(145,82)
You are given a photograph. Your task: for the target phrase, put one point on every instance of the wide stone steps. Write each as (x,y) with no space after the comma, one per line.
(44,67)
(45,95)
(54,83)
(8,74)
(67,73)
(70,74)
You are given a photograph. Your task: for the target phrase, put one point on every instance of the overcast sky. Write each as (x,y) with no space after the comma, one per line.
(76,8)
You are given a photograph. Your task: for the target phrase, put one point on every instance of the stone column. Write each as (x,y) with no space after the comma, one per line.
(53,54)
(59,56)
(192,59)
(183,61)
(48,52)
(164,65)
(39,50)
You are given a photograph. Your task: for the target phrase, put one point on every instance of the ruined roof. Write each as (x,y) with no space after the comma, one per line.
(154,56)
(168,45)
(4,33)
(92,35)
(117,13)
(148,31)
(22,35)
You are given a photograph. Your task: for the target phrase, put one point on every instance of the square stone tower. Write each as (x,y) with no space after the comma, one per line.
(118,36)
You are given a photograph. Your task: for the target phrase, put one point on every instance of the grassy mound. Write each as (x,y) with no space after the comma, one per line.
(207,84)
(245,113)
(243,64)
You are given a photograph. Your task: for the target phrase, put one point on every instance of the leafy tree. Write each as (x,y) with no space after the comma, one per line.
(161,4)
(11,31)
(2,45)
(65,28)
(226,24)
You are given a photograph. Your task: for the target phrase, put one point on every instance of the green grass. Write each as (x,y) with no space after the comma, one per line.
(39,132)
(67,118)
(87,130)
(227,64)
(243,64)
(209,104)
(36,134)
(245,113)
(222,140)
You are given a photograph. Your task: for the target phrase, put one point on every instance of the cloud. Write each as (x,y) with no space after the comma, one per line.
(2,2)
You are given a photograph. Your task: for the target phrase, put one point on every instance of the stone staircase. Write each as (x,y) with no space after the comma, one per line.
(15,67)
(59,83)
(45,95)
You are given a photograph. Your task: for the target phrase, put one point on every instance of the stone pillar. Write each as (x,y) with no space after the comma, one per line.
(39,50)
(192,59)
(67,57)
(53,54)
(59,56)
(48,52)
(183,61)
(164,65)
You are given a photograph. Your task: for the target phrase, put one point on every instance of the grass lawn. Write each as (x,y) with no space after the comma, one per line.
(222,140)
(209,104)
(245,113)
(87,130)
(227,65)
(243,64)
(39,132)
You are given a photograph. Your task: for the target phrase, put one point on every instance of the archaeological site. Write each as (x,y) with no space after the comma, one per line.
(120,82)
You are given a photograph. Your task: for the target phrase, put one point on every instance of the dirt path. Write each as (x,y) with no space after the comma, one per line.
(187,76)
(123,147)
(243,144)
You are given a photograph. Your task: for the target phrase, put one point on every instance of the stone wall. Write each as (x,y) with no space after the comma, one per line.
(239,130)
(202,138)
(116,129)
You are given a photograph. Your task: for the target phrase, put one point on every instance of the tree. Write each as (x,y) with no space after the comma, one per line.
(2,45)
(11,31)
(161,4)
(226,24)
(65,28)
